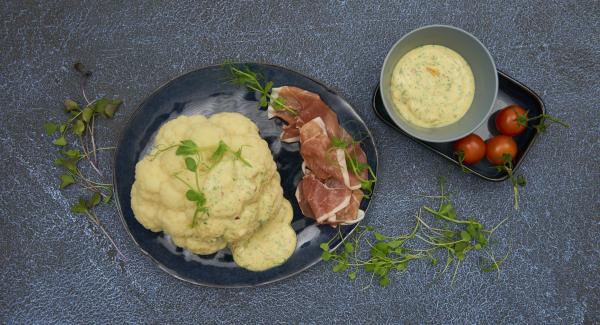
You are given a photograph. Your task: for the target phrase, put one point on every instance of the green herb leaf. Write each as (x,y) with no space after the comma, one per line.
(79,127)
(384,281)
(112,107)
(62,127)
(79,207)
(100,106)
(195,196)
(87,113)
(186,148)
(339,143)
(219,152)
(72,153)
(94,200)
(324,247)
(60,141)
(66,180)
(50,128)
(190,164)
(71,105)
(521,180)
(352,275)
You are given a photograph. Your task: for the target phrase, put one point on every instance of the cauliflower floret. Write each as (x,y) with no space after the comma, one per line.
(244,198)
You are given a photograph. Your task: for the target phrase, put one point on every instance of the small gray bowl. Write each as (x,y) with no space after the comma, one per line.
(482,65)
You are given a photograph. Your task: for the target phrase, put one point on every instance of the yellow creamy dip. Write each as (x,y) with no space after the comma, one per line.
(432,86)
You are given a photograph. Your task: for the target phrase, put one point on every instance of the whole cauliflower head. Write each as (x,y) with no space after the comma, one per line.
(244,205)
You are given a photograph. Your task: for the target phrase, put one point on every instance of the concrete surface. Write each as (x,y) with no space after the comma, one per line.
(57,268)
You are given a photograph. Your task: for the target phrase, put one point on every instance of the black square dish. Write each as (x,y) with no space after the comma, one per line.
(510,91)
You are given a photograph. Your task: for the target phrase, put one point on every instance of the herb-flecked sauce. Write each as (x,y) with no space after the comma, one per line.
(432,86)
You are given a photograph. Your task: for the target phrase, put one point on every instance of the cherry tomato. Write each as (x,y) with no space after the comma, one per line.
(511,120)
(498,146)
(472,148)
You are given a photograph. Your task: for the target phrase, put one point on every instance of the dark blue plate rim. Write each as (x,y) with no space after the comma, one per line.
(161,266)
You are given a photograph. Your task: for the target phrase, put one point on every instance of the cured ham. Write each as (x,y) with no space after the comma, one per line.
(330,191)
(320,157)
(323,200)
(307,106)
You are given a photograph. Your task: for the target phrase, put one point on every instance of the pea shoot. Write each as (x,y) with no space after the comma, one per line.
(75,140)
(444,235)
(243,76)
(354,166)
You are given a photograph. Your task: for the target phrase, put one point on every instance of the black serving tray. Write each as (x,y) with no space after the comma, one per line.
(510,91)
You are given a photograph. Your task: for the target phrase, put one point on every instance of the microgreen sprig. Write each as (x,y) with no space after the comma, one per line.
(444,234)
(545,121)
(75,139)
(357,168)
(194,163)
(254,81)
(516,180)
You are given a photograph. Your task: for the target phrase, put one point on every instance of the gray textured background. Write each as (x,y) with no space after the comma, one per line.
(55,267)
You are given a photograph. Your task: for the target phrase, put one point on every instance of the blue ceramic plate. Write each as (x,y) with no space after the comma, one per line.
(207,91)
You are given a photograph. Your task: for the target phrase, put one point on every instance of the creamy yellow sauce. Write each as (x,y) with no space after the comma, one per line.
(432,86)
(247,211)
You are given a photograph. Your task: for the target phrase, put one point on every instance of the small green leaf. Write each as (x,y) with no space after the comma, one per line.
(369,228)
(263,101)
(71,105)
(402,266)
(79,207)
(100,105)
(111,108)
(384,281)
(352,275)
(326,256)
(60,141)
(66,180)
(464,235)
(339,267)
(338,143)
(190,164)
(521,180)
(62,127)
(50,128)
(94,200)
(87,113)
(219,152)
(379,236)
(72,153)
(268,86)
(186,148)
(195,196)
(79,127)
(395,243)
(324,247)
(348,247)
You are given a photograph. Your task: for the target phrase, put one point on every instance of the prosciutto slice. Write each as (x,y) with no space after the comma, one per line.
(308,106)
(323,199)
(320,157)
(330,190)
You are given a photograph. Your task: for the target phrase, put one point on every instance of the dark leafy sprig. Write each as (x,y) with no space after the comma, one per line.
(445,234)
(75,139)
(255,81)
